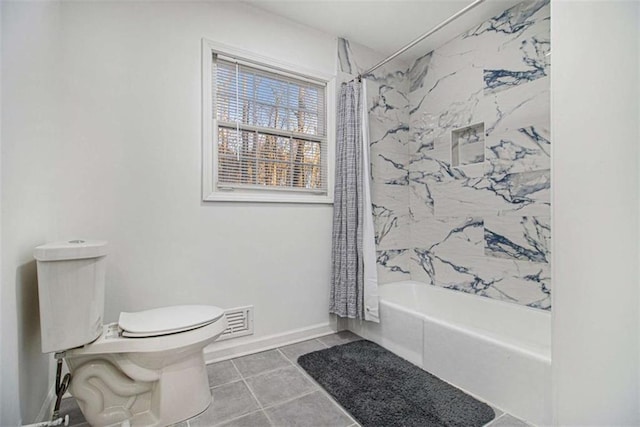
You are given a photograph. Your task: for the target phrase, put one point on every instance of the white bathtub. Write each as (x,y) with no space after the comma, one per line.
(497,351)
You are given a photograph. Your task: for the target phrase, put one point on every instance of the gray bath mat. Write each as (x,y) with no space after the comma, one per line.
(380,389)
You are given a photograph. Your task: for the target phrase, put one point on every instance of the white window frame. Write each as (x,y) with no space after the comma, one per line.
(210,191)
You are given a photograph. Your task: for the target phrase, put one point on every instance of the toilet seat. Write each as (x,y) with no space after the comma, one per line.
(167,320)
(112,341)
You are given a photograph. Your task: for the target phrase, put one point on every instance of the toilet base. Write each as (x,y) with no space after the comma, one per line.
(113,388)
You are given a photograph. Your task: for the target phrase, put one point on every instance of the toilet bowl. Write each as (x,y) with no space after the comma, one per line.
(155,378)
(147,369)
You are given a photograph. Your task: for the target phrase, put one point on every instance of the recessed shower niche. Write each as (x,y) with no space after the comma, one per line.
(467,145)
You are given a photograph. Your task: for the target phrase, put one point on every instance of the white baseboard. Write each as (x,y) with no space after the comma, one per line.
(224,350)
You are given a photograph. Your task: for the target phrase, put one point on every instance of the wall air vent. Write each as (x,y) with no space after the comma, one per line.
(240,322)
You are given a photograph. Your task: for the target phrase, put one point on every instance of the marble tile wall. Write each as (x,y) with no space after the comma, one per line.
(482,226)
(388,106)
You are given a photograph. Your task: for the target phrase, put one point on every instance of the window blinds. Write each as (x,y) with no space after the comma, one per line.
(270,129)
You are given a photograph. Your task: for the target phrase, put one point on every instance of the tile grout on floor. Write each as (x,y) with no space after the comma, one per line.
(493,420)
(259,373)
(315,387)
(291,360)
(243,415)
(260,407)
(322,390)
(271,371)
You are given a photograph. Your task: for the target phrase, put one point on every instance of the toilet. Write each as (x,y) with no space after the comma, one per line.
(147,369)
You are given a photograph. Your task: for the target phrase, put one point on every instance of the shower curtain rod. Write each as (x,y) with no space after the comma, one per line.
(422,37)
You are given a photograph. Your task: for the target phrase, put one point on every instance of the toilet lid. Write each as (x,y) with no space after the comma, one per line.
(168,320)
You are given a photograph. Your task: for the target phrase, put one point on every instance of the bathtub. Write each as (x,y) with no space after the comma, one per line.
(496,351)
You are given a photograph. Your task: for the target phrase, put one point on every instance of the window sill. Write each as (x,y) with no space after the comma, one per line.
(271,197)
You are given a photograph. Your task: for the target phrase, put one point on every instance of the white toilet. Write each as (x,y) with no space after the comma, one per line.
(148,369)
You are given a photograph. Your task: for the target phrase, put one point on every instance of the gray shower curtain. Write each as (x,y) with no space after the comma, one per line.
(354,279)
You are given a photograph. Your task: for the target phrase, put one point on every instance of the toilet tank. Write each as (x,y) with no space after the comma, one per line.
(71,277)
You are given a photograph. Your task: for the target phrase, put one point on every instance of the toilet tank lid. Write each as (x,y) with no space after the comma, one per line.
(70,249)
(166,320)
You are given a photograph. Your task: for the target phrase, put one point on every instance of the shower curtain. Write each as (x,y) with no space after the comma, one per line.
(354,284)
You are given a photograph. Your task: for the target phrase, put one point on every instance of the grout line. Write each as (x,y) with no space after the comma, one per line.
(255,399)
(248,388)
(286,357)
(236,368)
(498,412)
(263,372)
(291,399)
(225,384)
(241,378)
(325,346)
(493,421)
(238,417)
(266,372)
(263,409)
(296,361)
(324,343)
(252,394)
(305,374)
(293,362)
(324,392)
(277,403)
(268,418)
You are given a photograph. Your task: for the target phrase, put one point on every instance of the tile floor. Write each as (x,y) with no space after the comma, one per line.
(271,389)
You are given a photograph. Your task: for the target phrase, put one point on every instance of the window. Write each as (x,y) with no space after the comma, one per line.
(265,130)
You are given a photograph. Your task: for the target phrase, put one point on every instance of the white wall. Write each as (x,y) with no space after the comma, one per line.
(29,110)
(102,140)
(2,409)
(596,136)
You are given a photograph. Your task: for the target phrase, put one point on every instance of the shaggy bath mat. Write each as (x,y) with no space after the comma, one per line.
(379,389)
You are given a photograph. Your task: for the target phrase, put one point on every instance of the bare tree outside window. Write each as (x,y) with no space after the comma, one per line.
(270,129)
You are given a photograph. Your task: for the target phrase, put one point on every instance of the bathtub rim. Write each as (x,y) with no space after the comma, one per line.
(449,291)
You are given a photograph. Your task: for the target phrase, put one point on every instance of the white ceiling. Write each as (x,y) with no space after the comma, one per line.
(385,25)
